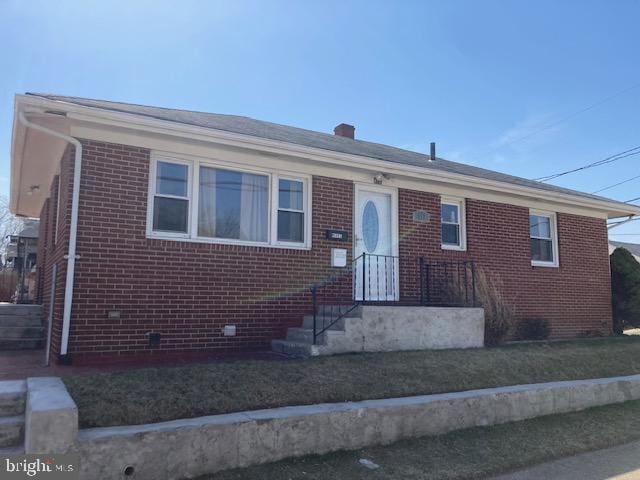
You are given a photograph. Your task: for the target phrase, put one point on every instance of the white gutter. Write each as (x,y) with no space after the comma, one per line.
(166,127)
(71,256)
(622,222)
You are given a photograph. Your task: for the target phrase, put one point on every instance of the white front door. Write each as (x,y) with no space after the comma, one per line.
(375,244)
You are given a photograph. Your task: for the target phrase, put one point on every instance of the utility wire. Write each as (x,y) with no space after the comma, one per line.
(610,159)
(616,184)
(571,115)
(632,200)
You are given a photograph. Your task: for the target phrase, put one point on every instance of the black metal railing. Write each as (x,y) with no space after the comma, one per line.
(448,283)
(375,279)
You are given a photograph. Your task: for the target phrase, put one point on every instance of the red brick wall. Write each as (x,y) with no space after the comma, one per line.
(54,248)
(188,291)
(575,297)
(185,291)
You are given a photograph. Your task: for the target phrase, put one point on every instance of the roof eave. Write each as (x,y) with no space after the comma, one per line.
(613,209)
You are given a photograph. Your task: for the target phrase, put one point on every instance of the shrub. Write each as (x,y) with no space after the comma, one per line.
(625,289)
(499,315)
(534,329)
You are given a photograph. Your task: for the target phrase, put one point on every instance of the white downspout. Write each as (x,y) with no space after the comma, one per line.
(71,256)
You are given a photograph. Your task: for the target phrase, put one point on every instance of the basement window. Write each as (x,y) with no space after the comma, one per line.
(544,239)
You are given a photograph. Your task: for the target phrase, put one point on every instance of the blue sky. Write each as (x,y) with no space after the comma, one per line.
(483,79)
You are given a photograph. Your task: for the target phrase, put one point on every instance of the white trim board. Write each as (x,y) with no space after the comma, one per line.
(121,122)
(249,158)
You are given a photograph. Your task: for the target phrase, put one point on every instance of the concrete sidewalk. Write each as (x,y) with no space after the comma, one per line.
(619,463)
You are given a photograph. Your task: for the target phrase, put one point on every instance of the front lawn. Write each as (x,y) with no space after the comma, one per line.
(156,394)
(464,454)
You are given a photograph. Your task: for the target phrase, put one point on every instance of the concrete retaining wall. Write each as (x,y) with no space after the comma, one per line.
(417,328)
(192,447)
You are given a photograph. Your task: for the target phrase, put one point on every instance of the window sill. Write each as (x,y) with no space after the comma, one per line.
(535,263)
(453,247)
(213,241)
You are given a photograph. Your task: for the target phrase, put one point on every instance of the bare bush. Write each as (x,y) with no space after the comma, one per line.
(499,314)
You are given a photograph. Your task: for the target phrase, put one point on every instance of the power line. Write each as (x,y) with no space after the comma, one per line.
(616,184)
(561,120)
(632,200)
(610,159)
(571,115)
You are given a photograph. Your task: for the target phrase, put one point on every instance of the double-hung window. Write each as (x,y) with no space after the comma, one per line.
(544,240)
(171,198)
(291,208)
(229,205)
(452,224)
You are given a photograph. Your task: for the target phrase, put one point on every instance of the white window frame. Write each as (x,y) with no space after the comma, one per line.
(554,238)
(275,202)
(153,174)
(194,164)
(462,222)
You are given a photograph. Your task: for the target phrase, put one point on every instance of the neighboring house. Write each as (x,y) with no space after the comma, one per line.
(21,255)
(181,223)
(634,248)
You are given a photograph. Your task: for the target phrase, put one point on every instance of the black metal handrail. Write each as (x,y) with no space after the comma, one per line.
(375,279)
(372,275)
(448,283)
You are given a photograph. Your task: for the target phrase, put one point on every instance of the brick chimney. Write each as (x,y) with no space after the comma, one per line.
(345,130)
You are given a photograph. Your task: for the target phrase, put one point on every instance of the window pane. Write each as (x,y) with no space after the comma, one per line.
(233,205)
(449,213)
(290,194)
(541,250)
(170,214)
(540,226)
(171,179)
(290,226)
(450,234)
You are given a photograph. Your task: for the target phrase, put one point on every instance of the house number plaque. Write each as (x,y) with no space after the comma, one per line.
(421,216)
(338,235)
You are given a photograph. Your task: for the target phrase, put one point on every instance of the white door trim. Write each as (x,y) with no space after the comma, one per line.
(395,251)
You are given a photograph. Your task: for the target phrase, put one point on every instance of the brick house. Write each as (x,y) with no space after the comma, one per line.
(176,233)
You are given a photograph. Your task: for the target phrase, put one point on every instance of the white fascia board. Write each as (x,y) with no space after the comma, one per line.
(137,122)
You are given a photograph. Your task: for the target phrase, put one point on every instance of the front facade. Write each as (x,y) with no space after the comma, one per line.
(189,244)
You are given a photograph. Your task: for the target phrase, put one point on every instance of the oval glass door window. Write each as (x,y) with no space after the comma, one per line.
(370,226)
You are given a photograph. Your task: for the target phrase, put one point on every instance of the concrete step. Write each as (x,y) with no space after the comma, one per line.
(23,310)
(19,333)
(21,321)
(305,335)
(11,431)
(307,322)
(335,310)
(295,349)
(13,395)
(22,344)
(16,450)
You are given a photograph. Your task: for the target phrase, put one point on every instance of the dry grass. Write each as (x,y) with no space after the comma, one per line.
(156,394)
(472,453)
